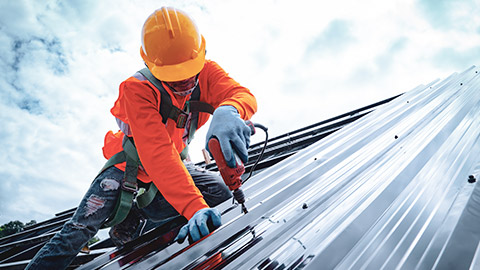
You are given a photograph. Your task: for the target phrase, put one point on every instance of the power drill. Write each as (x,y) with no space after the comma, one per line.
(231,176)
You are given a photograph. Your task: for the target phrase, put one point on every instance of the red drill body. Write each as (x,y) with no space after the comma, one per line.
(231,176)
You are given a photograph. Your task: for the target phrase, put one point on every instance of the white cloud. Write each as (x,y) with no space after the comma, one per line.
(61,64)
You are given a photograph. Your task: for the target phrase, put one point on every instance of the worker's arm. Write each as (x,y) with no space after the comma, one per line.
(221,89)
(156,150)
(233,103)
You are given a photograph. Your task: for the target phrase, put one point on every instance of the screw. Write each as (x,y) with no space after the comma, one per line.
(396,137)
(471,179)
(305,206)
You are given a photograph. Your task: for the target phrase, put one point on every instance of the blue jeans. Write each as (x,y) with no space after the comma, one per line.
(97,205)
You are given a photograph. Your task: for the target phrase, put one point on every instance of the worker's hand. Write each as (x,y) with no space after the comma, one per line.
(197,226)
(232,133)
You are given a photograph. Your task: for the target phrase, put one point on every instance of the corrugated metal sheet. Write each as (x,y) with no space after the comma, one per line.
(16,250)
(388,191)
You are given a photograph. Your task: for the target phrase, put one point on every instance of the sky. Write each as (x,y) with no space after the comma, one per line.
(305,61)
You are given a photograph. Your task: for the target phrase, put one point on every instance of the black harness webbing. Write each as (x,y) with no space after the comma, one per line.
(168,110)
(129,154)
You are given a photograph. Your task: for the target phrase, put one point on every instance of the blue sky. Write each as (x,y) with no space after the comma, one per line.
(61,63)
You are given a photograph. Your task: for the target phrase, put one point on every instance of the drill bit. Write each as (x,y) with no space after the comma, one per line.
(240,197)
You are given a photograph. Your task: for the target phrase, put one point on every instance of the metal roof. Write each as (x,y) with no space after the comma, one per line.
(16,250)
(394,188)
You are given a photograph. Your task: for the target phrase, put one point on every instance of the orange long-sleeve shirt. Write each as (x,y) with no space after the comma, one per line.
(158,145)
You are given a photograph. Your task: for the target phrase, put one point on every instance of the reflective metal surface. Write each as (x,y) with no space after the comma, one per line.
(388,191)
(17,249)
(394,187)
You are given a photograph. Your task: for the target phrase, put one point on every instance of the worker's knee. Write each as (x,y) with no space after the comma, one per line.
(210,184)
(99,201)
(159,209)
(216,194)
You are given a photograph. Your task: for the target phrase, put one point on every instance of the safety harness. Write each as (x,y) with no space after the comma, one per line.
(129,185)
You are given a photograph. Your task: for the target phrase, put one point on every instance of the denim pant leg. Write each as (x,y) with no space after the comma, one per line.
(95,207)
(209,183)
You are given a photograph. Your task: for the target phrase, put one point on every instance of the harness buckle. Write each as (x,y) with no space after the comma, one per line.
(130,187)
(182,120)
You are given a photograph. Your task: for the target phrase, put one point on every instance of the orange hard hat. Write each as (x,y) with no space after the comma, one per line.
(172,46)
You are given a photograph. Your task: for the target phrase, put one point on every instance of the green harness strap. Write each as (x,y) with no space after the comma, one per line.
(128,184)
(145,195)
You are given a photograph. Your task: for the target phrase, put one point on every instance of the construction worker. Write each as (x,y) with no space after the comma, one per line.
(158,123)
